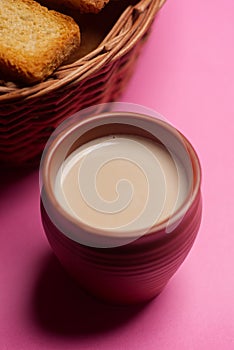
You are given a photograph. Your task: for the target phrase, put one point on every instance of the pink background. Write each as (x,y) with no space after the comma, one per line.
(186,73)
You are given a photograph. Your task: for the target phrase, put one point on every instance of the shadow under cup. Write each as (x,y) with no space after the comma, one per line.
(120,267)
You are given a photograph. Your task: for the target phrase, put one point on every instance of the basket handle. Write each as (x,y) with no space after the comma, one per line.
(142,5)
(162,2)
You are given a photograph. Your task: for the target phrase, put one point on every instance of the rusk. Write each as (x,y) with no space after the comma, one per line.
(34,41)
(86,6)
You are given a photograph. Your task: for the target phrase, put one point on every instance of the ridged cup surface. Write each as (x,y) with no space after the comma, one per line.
(138,270)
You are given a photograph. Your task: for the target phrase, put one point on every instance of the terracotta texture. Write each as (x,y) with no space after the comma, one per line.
(138,270)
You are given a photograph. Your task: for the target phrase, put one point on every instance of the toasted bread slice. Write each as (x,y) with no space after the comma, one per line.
(84,6)
(33,40)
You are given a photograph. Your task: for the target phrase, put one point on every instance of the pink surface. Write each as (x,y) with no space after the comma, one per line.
(186,73)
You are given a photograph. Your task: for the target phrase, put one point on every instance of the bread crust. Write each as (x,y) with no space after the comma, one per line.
(34,41)
(84,6)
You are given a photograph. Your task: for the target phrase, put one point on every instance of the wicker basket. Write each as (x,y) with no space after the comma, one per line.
(28,115)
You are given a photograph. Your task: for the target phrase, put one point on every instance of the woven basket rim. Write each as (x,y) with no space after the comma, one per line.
(129,28)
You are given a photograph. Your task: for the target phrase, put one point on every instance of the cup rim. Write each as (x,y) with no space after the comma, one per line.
(50,150)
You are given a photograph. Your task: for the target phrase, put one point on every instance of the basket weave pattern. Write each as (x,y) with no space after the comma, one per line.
(28,115)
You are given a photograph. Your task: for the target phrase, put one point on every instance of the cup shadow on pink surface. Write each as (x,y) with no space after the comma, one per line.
(10,176)
(62,308)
